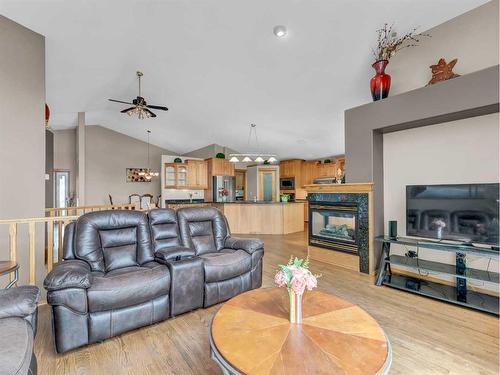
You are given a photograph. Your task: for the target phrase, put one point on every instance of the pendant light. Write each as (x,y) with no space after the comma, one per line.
(257,157)
(147,173)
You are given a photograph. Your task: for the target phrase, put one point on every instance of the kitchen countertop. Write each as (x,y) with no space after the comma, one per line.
(252,202)
(233,202)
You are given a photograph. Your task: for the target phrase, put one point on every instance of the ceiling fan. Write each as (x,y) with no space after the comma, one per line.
(140,107)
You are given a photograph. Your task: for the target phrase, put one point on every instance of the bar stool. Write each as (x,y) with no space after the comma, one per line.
(7,267)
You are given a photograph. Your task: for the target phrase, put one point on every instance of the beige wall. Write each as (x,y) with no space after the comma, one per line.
(108,154)
(464,151)
(472,37)
(65,154)
(22,135)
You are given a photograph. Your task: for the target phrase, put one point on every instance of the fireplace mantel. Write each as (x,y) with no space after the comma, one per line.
(357,187)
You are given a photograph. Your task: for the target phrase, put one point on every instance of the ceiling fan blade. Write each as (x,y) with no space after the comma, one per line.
(128,109)
(157,107)
(150,113)
(119,101)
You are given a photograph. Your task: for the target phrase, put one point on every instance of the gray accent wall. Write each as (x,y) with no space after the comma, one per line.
(65,154)
(49,169)
(210,151)
(22,136)
(471,37)
(107,155)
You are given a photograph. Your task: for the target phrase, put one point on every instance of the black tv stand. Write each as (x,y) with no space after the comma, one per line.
(457,294)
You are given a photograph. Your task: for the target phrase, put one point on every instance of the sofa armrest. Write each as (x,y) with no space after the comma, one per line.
(250,245)
(19,302)
(173,253)
(69,274)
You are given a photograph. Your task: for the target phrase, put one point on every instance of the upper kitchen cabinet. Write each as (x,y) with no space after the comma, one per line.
(192,174)
(175,175)
(197,174)
(306,171)
(220,167)
(291,168)
(326,170)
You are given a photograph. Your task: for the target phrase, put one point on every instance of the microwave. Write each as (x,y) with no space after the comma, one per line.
(287,183)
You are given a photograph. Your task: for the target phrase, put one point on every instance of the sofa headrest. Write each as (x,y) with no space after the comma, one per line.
(202,228)
(164,229)
(113,239)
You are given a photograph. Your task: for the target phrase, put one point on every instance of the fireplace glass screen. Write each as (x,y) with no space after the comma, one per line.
(334,224)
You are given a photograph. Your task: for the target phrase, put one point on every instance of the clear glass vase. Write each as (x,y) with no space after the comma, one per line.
(295,307)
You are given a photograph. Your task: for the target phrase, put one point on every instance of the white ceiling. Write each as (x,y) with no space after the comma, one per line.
(217,65)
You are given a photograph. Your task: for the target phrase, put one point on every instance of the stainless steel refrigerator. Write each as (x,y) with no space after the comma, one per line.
(223,188)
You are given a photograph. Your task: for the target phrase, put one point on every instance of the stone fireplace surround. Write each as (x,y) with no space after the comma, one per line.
(361,199)
(361,195)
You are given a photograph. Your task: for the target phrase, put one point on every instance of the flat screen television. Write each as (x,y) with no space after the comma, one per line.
(465,212)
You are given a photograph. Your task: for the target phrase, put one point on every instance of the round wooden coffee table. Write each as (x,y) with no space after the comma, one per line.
(251,334)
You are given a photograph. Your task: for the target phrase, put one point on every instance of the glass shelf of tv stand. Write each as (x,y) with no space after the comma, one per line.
(443,245)
(459,294)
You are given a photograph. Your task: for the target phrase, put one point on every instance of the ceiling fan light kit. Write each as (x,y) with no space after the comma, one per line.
(140,107)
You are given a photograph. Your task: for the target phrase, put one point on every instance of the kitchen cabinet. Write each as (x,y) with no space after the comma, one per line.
(326,170)
(240,179)
(306,171)
(292,168)
(175,175)
(220,167)
(197,174)
(309,171)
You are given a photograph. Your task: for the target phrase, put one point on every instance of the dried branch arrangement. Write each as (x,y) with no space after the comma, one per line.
(388,42)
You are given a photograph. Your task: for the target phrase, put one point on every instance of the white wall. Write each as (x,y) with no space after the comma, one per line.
(464,151)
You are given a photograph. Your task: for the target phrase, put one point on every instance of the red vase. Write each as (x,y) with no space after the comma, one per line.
(380,82)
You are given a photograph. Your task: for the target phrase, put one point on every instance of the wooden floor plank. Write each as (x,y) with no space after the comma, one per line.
(427,336)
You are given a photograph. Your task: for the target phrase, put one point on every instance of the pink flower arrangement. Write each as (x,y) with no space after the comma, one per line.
(296,276)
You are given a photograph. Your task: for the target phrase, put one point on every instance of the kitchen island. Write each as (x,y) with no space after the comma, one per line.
(249,217)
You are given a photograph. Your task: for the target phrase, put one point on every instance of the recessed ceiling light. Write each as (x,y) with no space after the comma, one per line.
(280,31)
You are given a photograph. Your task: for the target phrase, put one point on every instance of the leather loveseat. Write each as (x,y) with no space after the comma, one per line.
(127,269)
(18,319)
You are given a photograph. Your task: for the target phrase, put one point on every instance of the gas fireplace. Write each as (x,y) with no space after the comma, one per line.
(334,225)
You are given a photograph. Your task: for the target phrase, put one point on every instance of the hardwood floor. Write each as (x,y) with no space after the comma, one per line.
(427,336)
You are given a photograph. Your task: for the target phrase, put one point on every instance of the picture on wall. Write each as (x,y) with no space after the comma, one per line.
(134,176)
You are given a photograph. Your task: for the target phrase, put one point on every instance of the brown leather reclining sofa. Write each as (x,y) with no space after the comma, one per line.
(127,269)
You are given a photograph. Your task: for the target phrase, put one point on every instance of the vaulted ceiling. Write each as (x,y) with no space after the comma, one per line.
(217,65)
